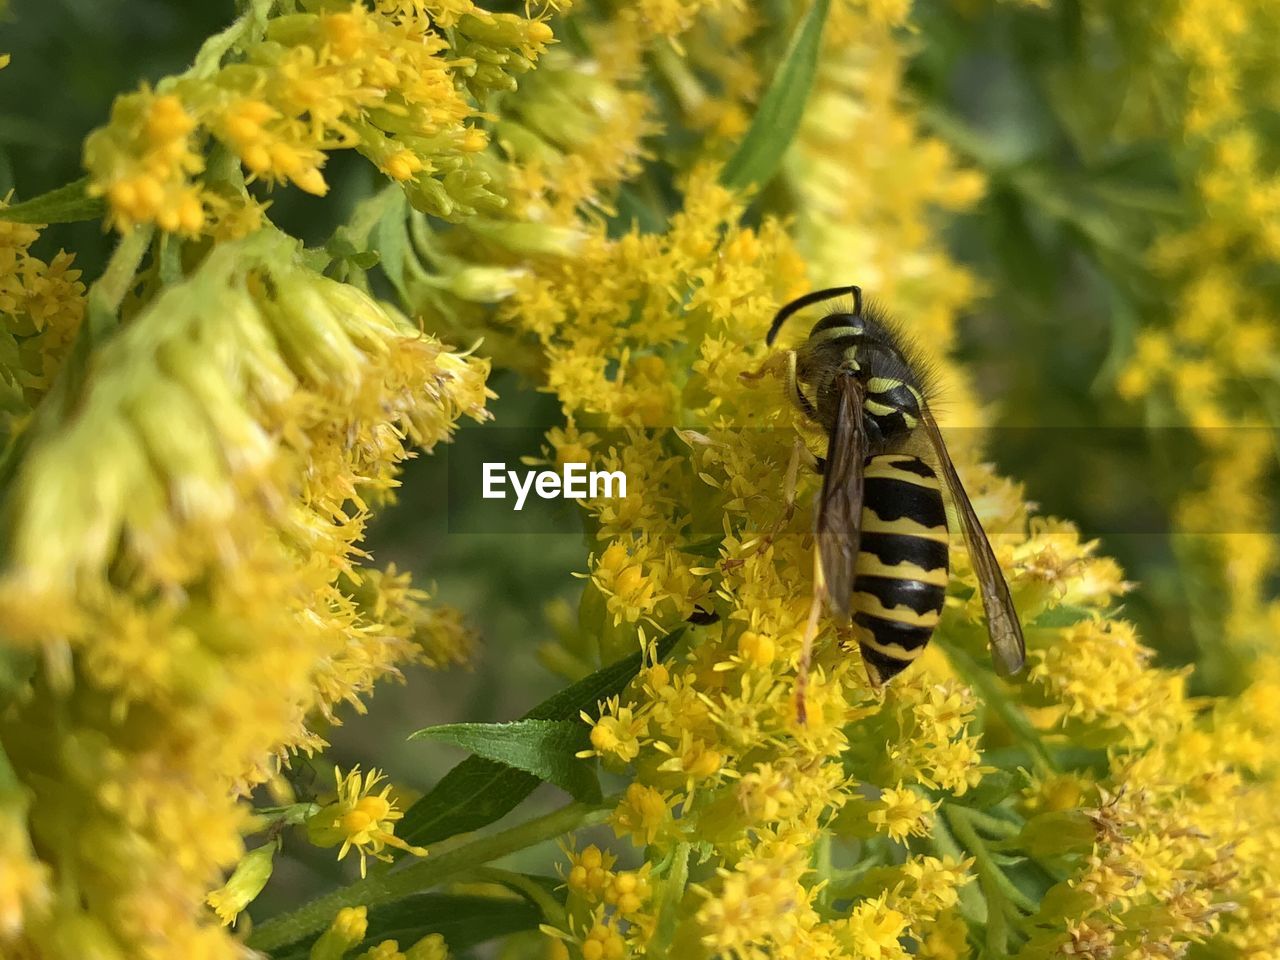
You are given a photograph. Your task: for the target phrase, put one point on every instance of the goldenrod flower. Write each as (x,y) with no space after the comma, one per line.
(245,883)
(589,872)
(901,812)
(643,814)
(430,947)
(360,819)
(42,305)
(616,734)
(378,81)
(873,930)
(346,931)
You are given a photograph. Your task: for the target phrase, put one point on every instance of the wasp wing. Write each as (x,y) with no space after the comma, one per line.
(1007,646)
(838,521)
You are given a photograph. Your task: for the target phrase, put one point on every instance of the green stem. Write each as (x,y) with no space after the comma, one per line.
(108,292)
(997,922)
(673,888)
(552,911)
(994,697)
(964,822)
(822,867)
(1002,829)
(209,57)
(416,877)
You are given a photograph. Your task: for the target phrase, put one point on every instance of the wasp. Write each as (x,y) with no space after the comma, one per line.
(880,524)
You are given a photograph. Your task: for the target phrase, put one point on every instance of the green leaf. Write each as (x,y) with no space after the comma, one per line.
(1065,615)
(545,748)
(993,788)
(708,547)
(777,119)
(390,239)
(66,204)
(478,791)
(463,921)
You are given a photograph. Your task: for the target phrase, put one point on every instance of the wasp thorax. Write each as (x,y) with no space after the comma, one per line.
(843,344)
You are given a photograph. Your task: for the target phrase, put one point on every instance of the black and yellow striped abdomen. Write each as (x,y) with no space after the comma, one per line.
(901,574)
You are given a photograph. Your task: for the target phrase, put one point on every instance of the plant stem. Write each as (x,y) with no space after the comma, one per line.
(997,922)
(551,909)
(673,887)
(994,697)
(417,877)
(108,291)
(209,58)
(1002,829)
(964,822)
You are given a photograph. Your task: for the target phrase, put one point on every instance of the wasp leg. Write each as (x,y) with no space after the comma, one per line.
(785,364)
(793,388)
(799,452)
(806,645)
(772,366)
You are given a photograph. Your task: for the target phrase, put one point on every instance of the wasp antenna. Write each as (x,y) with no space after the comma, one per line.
(799,303)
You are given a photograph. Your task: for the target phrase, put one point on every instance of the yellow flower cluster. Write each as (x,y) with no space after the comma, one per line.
(868,178)
(42,305)
(607,910)
(1210,362)
(182,558)
(381,80)
(645,339)
(712,741)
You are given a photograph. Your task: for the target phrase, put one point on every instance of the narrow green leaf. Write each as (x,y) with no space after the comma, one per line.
(66,204)
(478,791)
(391,239)
(544,748)
(993,788)
(972,905)
(673,886)
(1066,615)
(707,547)
(463,921)
(386,887)
(777,119)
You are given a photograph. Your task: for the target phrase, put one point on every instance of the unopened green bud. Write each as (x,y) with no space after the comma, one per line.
(429,195)
(183,450)
(430,947)
(493,78)
(504,30)
(484,284)
(347,930)
(531,238)
(313,338)
(246,882)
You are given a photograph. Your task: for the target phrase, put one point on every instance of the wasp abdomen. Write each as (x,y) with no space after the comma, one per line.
(900,579)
